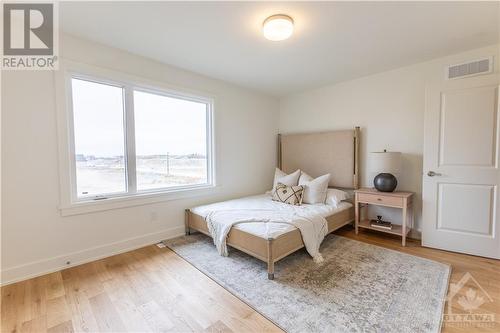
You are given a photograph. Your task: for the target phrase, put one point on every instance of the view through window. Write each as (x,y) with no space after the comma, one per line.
(99,138)
(168,136)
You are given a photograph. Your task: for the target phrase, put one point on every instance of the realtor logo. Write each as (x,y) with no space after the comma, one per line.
(464,302)
(28,29)
(29,36)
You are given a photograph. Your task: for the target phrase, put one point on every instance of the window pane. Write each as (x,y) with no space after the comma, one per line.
(99,138)
(171,146)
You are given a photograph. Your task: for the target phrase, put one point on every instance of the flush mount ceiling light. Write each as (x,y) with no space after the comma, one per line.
(278,27)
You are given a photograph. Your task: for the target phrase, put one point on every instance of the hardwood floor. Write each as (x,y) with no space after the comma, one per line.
(152,289)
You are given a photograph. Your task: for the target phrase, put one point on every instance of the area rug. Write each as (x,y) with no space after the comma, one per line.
(359,287)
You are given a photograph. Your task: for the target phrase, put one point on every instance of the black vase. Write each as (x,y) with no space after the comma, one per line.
(385,182)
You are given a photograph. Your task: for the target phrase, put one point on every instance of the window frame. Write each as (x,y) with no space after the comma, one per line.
(71,203)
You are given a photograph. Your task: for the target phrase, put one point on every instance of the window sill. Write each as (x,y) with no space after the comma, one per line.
(86,207)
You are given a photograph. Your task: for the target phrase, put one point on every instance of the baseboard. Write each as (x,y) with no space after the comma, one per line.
(37,268)
(415,234)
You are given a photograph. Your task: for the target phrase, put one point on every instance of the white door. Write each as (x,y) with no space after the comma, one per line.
(461,172)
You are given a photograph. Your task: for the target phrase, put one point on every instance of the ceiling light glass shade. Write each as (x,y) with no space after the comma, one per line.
(278,27)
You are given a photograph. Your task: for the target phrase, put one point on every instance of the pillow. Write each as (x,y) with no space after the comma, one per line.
(291,195)
(281,177)
(334,196)
(314,189)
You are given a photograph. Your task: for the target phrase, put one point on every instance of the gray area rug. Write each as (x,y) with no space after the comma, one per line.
(359,287)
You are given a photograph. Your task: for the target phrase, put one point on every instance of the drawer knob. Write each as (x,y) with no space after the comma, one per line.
(379,199)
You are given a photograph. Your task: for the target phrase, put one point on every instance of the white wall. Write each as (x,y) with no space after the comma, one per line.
(36,239)
(388,106)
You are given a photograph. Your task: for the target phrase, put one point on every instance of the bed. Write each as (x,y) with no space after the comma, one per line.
(335,152)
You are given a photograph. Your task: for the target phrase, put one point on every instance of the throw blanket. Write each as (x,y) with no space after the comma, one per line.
(313,228)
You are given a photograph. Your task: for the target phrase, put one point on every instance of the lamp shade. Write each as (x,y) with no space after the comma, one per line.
(386,162)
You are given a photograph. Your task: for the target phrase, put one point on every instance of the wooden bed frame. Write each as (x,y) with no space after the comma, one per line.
(272,250)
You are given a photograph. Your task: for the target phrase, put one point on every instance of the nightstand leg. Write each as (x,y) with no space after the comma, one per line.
(412,215)
(356,215)
(405,214)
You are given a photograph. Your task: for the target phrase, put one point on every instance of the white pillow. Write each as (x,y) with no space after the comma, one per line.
(289,180)
(314,189)
(334,196)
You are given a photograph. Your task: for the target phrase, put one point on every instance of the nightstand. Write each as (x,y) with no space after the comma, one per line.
(402,200)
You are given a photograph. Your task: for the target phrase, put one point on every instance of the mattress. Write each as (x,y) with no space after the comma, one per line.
(264,201)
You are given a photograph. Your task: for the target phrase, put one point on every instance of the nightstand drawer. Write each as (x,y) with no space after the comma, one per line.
(380,199)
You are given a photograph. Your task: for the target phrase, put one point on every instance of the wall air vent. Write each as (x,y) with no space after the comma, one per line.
(476,67)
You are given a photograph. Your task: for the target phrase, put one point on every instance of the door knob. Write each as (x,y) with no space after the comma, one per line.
(432,174)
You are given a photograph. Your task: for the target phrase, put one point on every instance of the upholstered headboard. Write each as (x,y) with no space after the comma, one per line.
(334,152)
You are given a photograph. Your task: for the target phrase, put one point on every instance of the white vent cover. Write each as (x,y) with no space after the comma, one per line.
(476,67)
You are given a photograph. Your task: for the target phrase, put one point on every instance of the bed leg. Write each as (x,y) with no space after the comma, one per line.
(270,259)
(186,222)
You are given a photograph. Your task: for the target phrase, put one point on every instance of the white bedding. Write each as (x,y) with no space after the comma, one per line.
(269,229)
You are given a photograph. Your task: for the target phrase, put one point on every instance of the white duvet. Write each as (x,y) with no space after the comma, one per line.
(266,218)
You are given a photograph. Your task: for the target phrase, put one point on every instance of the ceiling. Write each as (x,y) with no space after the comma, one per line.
(333,41)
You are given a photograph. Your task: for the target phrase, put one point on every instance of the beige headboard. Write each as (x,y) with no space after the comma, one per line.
(334,152)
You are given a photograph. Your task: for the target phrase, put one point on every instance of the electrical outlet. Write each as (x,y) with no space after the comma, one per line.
(153,217)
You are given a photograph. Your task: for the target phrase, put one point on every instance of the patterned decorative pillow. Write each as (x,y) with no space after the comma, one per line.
(291,195)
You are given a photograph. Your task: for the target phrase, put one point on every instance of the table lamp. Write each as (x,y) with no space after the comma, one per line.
(385,164)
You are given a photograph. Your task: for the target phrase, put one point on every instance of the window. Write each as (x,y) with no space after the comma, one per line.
(99,138)
(129,140)
(170,141)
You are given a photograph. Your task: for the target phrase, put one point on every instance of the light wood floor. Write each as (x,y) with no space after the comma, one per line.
(152,289)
